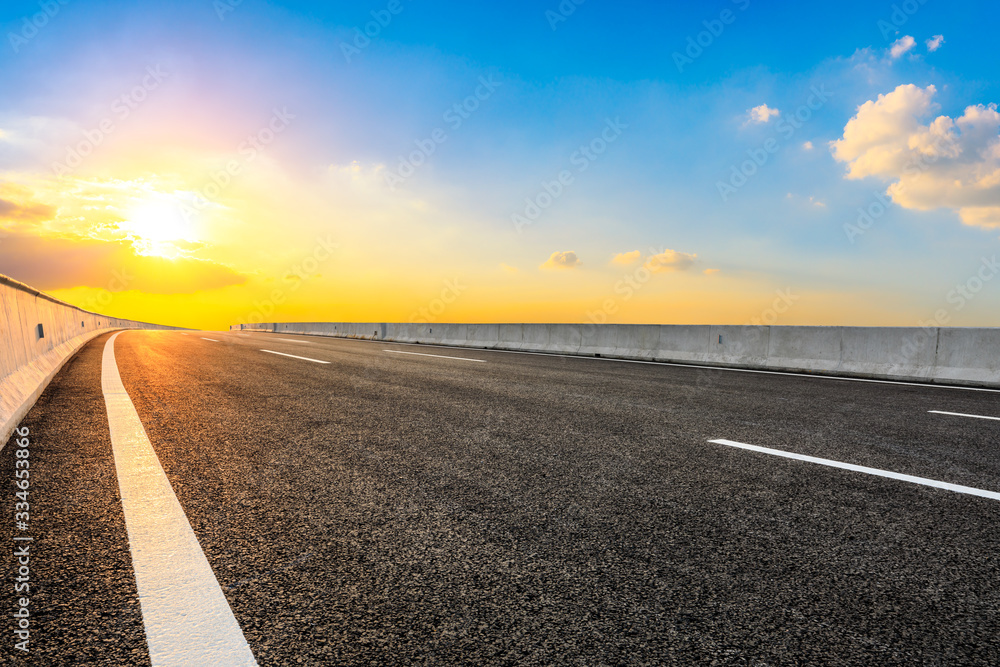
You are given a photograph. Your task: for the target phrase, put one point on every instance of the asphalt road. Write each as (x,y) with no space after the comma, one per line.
(389,508)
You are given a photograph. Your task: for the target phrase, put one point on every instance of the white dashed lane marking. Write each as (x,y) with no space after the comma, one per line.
(962,414)
(868,471)
(293,356)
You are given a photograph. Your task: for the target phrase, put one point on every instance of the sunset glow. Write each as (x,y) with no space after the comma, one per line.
(259,161)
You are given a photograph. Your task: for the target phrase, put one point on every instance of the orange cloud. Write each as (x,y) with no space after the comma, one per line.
(626,258)
(17,205)
(53,262)
(671,260)
(562,260)
(25,213)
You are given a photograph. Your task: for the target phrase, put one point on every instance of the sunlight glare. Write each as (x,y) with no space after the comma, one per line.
(156,225)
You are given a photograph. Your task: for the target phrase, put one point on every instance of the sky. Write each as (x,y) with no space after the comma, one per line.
(205,163)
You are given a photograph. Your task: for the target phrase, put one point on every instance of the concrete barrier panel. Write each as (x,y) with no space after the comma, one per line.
(510,336)
(598,340)
(907,353)
(324,329)
(365,330)
(683,343)
(425,332)
(741,346)
(535,338)
(483,335)
(969,355)
(14,353)
(453,334)
(804,348)
(406,333)
(636,341)
(435,333)
(561,338)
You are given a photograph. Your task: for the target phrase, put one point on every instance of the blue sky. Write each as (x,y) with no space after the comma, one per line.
(553,86)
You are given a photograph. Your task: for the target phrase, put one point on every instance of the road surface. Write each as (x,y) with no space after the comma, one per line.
(404,504)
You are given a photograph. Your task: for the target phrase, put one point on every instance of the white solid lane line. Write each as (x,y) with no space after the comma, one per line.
(282,354)
(211,339)
(187,617)
(439,356)
(869,471)
(961,414)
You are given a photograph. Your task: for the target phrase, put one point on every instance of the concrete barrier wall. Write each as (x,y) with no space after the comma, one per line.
(966,356)
(30,357)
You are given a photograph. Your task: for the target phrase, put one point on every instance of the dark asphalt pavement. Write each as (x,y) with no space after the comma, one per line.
(395,509)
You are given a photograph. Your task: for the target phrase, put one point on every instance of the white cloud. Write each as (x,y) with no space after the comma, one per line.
(935,42)
(875,139)
(626,258)
(819,203)
(808,145)
(566,259)
(508,268)
(761,114)
(901,46)
(947,163)
(670,260)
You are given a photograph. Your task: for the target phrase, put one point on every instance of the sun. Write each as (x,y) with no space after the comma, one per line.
(159,227)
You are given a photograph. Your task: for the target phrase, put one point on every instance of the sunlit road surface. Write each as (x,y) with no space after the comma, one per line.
(357,505)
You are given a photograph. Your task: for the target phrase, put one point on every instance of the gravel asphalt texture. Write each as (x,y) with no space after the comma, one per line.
(534,509)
